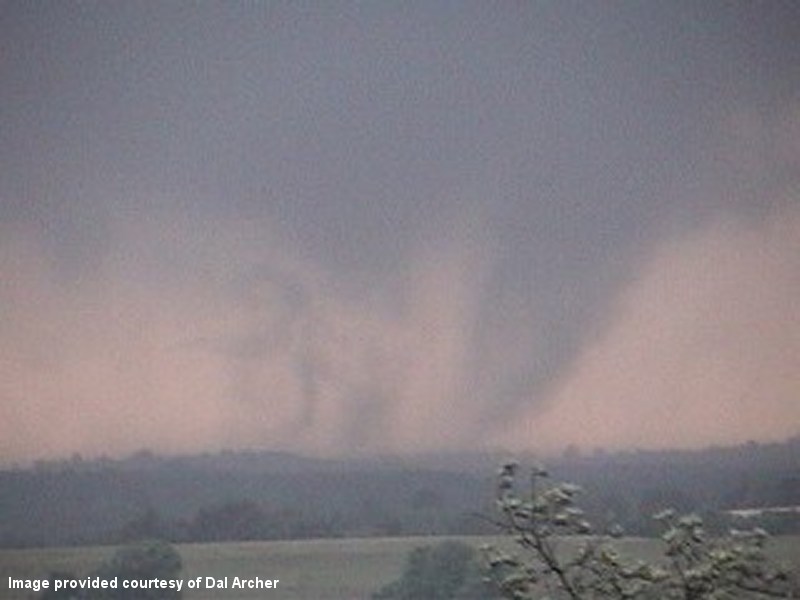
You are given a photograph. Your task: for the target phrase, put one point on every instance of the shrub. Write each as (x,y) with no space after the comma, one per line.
(446,571)
(143,560)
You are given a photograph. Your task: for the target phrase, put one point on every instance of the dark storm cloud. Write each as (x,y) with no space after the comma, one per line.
(316,222)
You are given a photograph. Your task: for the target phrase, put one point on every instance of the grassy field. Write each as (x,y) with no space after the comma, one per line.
(308,570)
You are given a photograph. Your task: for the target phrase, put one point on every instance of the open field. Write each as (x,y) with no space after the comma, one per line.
(343,569)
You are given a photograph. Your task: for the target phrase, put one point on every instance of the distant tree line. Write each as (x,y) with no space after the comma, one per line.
(249,496)
(240,520)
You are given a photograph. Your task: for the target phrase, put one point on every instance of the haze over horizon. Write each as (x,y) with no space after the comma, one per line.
(339,228)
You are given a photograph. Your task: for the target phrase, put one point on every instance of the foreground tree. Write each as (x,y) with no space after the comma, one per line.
(563,557)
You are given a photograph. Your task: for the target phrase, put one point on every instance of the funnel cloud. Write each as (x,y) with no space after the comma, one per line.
(344,229)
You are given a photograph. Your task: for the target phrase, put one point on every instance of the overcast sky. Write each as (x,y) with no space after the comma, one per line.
(341,228)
